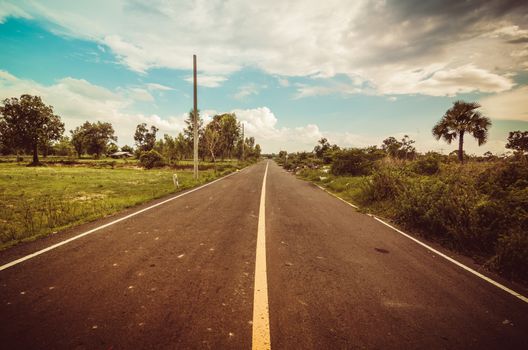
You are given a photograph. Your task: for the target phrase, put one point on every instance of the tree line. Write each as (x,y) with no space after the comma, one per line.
(29,126)
(460,121)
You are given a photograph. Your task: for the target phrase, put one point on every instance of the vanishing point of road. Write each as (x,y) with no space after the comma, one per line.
(257,259)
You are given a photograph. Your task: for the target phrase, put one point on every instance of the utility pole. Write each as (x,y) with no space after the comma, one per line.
(243,142)
(195,121)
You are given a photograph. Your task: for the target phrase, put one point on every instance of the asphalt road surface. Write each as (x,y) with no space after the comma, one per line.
(182,276)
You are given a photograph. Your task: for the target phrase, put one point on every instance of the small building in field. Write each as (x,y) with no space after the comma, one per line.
(121,154)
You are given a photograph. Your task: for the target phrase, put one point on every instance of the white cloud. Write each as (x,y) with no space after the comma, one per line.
(11,10)
(141,95)
(378,41)
(512,32)
(247,90)
(510,105)
(305,90)
(156,86)
(283,82)
(6,76)
(210,81)
(436,81)
(261,123)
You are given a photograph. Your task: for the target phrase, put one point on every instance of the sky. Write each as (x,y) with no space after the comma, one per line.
(355,72)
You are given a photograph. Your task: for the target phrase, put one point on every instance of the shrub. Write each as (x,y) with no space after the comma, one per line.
(451,209)
(353,161)
(512,255)
(301,160)
(428,165)
(151,159)
(385,183)
(502,178)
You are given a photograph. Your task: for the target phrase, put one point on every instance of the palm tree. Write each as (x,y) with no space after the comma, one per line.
(460,119)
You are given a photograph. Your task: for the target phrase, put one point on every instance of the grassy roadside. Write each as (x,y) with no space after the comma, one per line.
(477,209)
(35,202)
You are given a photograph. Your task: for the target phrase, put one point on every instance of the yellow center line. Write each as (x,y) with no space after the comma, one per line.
(261,329)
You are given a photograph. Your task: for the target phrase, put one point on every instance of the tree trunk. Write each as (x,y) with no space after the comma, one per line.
(461,147)
(213,158)
(35,154)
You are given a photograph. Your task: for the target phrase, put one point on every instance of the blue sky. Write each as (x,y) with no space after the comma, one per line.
(292,71)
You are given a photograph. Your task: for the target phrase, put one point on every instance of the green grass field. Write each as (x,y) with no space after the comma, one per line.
(38,201)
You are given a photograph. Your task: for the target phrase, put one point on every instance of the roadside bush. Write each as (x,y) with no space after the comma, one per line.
(427,165)
(502,178)
(506,185)
(480,208)
(512,255)
(418,206)
(385,184)
(151,159)
(353,161)
(449,209)
(301,160)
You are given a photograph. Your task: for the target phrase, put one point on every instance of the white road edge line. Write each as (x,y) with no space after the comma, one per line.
(261,329)
(42,251)
(341,199)
(459,264)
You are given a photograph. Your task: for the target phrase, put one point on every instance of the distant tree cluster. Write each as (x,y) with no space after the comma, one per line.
(220,138)
(324,150)
(402,149)
(94,138)
(459,121)
(27,125)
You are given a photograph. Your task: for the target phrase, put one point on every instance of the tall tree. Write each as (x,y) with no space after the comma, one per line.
(6,142)
(403,149)
(93,138)
(213,138)
(322,147)
(188,133)
(459,120)
(27,122)
(391,146)
(78,141)
(145,139)
(325,151)
(257,151)
(63,147)
(182,147)
(169,149)
(99,137)
(229,132)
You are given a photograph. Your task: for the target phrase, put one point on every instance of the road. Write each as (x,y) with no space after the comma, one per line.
(182,275)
